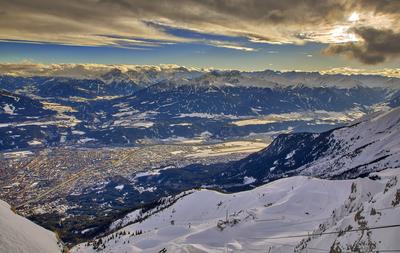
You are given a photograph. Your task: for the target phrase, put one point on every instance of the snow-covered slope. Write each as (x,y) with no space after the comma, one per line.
(372,205)
(19,235)
(192,222)
(371,144)
(208,221)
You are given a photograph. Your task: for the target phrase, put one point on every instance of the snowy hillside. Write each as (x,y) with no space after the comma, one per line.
(373,205)
(208,221)
(19,235)
(370,144)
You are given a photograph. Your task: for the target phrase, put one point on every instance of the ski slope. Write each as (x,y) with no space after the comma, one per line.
(209,221)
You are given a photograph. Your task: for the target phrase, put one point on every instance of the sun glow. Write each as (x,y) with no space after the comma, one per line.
(354,17)
(341,34)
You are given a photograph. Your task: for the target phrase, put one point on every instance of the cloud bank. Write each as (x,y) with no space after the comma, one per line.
(88,71)
(375,47)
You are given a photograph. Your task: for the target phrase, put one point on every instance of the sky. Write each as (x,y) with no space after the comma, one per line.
(308,35)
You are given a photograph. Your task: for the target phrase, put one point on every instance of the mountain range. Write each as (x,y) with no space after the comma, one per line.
(123,107)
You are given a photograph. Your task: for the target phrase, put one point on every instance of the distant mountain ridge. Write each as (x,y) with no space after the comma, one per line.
(145,75)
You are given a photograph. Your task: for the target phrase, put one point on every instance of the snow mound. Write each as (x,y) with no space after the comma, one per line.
(19,235)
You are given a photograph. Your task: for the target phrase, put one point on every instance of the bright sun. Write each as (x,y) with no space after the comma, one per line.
(354,17)
(341,34)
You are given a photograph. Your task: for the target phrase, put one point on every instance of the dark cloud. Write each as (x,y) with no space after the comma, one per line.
(379,6)
(376,46)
